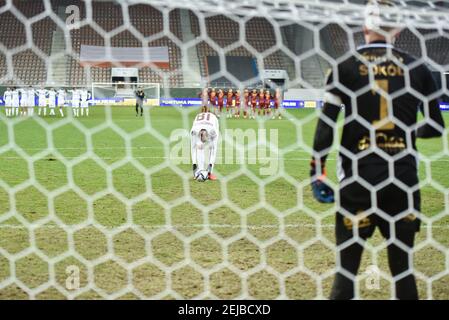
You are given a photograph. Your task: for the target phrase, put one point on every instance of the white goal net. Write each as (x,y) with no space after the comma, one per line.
(105,206)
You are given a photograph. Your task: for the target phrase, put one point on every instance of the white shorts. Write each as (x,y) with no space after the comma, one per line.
(42,104)
(52,105)
(8,103)
(61,102)
(75,105)
(84,104)
(15,104)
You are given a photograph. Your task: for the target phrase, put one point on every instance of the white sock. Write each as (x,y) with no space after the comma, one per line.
(87,112)
(61,112)
(200,155)
(82,112)
(45,111)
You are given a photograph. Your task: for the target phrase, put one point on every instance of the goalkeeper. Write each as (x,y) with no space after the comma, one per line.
(140,97)
(378,145)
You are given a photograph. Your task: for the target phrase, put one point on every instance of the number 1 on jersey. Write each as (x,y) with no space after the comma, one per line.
(383,106)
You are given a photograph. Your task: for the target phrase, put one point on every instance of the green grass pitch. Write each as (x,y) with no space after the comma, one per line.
(78,193)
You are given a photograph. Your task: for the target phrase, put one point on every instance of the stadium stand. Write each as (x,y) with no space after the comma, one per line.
(28,67)
(225,32)
(148,22)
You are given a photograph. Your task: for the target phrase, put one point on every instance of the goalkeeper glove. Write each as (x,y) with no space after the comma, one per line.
(321,191)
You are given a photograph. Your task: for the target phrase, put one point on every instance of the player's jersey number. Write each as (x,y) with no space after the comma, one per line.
(203,116)
(383,105)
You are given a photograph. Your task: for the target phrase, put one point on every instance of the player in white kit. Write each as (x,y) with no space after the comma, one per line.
(52,101)
(7,99)
(61,101)
(204,135)
(42,98)
(23,102)
(15,102)
(85,97)
(75,102)
(31,100)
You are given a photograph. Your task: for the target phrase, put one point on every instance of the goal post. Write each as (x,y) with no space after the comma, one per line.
(118,91)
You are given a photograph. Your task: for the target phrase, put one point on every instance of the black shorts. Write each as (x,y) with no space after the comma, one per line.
(392,200)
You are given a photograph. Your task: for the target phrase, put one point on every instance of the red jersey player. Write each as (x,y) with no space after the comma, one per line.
(220,100)
(213,100)
(204,95)
(277,103)
(245,103)
(268,103)
(229,102)
(262,102)
(254,103)
(237,104)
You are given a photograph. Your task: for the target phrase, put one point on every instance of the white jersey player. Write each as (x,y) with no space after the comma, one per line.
(85,97)
(7,99)
(204,135)
(61,101)
(42,98)
(15,101)
(75,102)
(31,100)
(52,101)
(23,102)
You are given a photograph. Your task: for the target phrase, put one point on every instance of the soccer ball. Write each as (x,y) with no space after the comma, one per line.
(202,175)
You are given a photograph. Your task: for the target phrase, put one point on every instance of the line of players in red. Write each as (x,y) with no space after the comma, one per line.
(253,102)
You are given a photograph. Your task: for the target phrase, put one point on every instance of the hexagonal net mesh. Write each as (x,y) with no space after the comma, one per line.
(105,206)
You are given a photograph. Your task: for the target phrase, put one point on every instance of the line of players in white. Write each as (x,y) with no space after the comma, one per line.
(22,101)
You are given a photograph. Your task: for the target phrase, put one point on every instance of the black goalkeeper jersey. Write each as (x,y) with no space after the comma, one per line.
(381,115)
(140,95)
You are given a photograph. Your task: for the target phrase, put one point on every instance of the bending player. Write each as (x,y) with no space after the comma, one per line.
(204,135)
